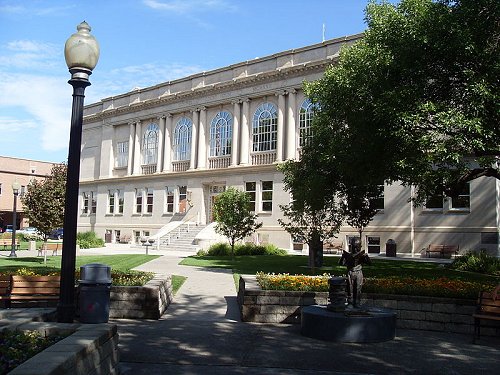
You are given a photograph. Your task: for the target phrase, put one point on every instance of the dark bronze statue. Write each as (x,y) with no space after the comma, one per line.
(354,261)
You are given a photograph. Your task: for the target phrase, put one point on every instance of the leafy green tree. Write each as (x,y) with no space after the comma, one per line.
(313,215)
(415,100)
(233,216)
(43,202)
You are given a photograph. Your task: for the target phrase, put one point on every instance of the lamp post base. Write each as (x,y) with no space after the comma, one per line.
(65,313)
(12,255)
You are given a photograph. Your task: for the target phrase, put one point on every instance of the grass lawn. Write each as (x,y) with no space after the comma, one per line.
(177,282)
(119,262)
(297,264)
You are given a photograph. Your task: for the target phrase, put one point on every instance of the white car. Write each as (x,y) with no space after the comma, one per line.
(28,230)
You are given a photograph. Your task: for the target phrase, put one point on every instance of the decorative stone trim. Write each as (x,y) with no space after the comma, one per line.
(90,349)
(413,312)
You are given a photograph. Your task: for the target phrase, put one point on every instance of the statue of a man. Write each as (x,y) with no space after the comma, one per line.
(354,261)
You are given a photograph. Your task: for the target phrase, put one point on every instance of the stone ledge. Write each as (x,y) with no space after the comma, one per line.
(89,349)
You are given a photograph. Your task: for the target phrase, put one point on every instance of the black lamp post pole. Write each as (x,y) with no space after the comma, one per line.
(14,225)
(66,306)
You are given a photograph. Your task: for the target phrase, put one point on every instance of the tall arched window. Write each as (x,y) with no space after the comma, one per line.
(150,145)
(265,128)
(305,122)
(182,139)
(221,130)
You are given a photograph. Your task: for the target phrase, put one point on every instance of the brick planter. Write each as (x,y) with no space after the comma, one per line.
(413,312)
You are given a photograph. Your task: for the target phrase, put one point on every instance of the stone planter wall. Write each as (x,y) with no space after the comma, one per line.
(426,313)
(141,302)
(89,350)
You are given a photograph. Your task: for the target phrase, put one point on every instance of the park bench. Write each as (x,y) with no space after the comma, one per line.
(442,250)
(487,309)
(50,246)
(33,290)
(7,243)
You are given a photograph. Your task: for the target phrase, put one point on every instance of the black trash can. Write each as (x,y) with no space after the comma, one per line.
(94,293)
(390,248)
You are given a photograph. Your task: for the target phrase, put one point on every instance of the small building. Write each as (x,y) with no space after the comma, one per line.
(22,171)
(159,155)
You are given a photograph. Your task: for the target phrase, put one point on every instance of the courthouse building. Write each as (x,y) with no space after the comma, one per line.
(156,157)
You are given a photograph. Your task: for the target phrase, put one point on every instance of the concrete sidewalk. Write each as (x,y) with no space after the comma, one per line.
(201,333)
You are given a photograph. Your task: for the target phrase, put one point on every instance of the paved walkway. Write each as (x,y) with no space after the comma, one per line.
(200,333)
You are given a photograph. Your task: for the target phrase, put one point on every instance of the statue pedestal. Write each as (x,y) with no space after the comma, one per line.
(357,325)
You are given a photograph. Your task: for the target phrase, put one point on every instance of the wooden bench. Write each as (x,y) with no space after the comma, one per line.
(487,309)
(50,246)
(441,249)
(39,289)
(7,243)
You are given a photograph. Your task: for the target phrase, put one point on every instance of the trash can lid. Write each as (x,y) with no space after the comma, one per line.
(95,273)
(390,241)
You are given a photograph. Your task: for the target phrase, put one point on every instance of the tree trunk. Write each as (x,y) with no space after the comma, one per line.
(315,251)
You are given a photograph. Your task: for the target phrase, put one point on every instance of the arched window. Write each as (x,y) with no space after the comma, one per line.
(221,130)
(182,139)
(150,145)
(305,121)
(265,128)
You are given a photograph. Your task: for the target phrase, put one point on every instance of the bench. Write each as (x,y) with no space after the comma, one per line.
(487,309)
(7,243)
(441,249)
(50,246)
(39,289)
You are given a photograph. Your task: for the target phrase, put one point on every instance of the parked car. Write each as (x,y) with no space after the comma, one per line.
(8,228)
(56,234)
(28,230)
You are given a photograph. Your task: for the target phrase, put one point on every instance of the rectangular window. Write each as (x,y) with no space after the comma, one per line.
(119,194)
(377,201)
(85,203)
(373,244)
(0,189)
(435,202)
(117,236)
(111,202)
(121,158)
(489,238)
(149,201)
(169,200)
(22,191)
(462,200)
(138,201)
(267,196)
(251,190)
(182,199)
(93,202)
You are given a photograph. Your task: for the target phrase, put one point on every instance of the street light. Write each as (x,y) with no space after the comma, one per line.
(15,190)
(81,52)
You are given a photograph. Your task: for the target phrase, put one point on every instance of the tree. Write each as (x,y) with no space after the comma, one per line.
(44,201)
(233,216)
(313,215)
(416,99)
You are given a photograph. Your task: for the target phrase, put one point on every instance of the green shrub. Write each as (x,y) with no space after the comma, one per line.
(479,262)
(88,240)
(223,249)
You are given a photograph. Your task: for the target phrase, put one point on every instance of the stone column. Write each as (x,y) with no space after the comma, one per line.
(167,154)
(291,141)
(281,123)
(236,132)
(161,135)
(131,137)
(137,149)
(245,133)
(107,160)
(202,140)
(194,138)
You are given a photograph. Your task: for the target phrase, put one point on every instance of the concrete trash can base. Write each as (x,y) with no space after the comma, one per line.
(94,293)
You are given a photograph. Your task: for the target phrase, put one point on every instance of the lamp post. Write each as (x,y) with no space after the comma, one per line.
(15,190)
(81,52)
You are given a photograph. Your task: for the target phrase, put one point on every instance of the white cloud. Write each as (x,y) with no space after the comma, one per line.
(34,10)
(10,124)
(24,54)
(188,6)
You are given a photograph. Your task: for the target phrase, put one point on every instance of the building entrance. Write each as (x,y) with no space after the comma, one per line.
(213,192)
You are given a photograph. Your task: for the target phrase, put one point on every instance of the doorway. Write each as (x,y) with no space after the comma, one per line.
(213,192)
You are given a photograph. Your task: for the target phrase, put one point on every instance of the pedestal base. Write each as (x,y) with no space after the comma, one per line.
(357,325)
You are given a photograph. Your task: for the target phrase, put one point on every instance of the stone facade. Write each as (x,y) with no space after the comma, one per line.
(158,155)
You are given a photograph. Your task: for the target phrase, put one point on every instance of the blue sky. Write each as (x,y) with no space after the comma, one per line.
(143,42)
